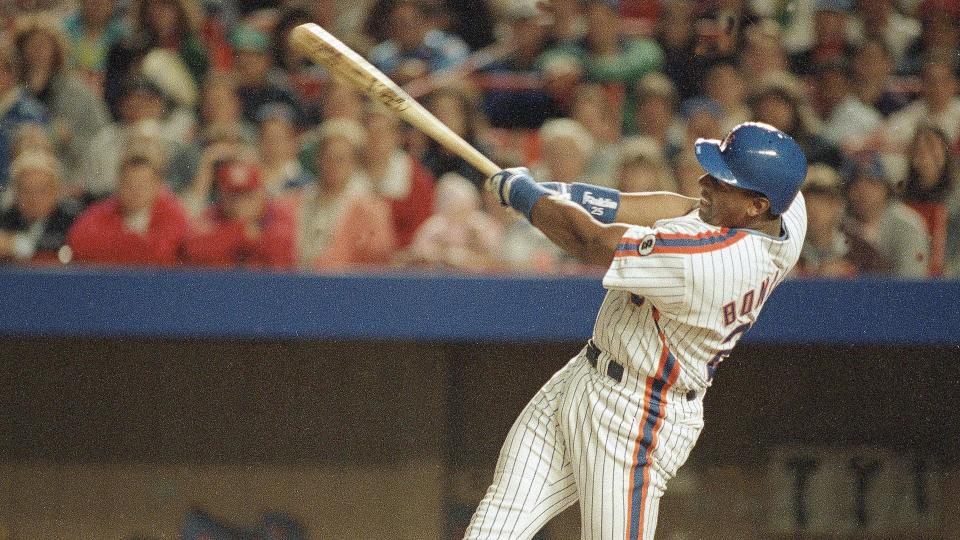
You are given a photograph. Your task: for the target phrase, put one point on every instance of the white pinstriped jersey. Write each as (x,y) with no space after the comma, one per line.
(681,293)
(690,290)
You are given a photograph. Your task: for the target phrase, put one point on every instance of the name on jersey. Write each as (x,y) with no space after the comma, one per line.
(602,202)
(751,301)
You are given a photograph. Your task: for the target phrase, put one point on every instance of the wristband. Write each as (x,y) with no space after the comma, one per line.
(557,187)
(601,202)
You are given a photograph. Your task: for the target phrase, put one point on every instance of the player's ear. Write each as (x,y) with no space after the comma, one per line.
(759,206)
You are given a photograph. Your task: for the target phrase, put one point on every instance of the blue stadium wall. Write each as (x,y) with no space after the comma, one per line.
(193,366)
(434,308)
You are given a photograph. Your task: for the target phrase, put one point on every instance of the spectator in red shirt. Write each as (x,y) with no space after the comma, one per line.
(142,224)
(245,227)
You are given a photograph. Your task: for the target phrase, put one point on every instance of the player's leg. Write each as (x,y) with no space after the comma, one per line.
(596,428)
(623,453)
(666,433)
(533,481)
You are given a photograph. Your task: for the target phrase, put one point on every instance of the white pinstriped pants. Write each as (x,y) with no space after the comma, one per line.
(586,437)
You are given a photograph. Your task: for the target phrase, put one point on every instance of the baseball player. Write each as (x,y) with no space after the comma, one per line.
(686,279)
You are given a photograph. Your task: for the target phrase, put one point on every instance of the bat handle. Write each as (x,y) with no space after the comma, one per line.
(484,165)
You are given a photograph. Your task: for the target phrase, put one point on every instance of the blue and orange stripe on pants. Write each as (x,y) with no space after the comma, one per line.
(651,421)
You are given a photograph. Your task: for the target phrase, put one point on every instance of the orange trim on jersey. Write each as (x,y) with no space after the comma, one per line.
(675,369)
(628,247)
(653,444)
(704,248)
(699,236)
(704,242)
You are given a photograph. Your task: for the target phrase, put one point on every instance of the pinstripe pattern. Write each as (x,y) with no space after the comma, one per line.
(690,288)
(668,320)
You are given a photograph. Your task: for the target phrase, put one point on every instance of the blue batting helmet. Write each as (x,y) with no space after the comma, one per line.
(758,157)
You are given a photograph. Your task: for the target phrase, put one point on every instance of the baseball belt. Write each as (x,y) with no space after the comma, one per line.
(615,369)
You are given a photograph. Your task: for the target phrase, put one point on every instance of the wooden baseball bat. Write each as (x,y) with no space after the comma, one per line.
(323,48)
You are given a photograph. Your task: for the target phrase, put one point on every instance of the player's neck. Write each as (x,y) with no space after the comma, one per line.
(771,227)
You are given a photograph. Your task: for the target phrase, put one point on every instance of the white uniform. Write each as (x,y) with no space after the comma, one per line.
(614,425)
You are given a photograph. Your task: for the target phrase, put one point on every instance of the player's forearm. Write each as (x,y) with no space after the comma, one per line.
(648,208)
(607,205)
(563,221)
(571,228)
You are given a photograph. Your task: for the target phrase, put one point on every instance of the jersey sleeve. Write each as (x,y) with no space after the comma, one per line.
(659,275)
(795,222)
(796,216)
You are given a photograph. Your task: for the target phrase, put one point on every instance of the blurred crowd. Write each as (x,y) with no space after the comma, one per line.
(190,132)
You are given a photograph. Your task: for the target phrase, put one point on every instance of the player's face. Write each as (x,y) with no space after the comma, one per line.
(723,205)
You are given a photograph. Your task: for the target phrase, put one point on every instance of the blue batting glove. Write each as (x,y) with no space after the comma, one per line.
(499,184)
(516,188)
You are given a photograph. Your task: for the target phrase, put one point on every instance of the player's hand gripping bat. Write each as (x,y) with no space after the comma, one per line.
(323,48)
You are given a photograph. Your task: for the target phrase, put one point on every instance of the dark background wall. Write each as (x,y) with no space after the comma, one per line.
(297,402)
(320,428)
